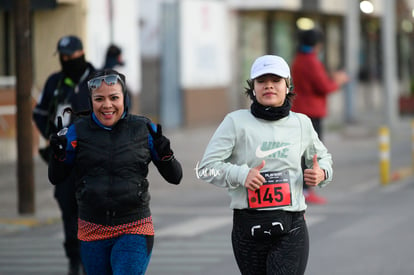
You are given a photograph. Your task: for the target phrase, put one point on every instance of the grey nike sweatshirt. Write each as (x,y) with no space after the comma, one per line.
(242,141)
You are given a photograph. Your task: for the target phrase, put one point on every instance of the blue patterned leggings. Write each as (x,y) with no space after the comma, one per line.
(126,254)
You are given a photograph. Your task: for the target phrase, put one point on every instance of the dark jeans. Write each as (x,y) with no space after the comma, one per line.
(65,196)
(317,125)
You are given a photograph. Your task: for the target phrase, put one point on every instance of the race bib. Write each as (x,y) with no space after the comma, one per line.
(275,192)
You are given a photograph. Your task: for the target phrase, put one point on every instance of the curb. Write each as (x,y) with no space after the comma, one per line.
(401,174)
(10,225)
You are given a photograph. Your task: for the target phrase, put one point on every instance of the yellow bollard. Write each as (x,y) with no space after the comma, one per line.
(384,155)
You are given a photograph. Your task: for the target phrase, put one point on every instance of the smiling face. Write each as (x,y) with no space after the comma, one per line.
(270,90)
(108,103)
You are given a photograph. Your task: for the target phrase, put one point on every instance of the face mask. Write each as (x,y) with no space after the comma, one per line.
(74,68)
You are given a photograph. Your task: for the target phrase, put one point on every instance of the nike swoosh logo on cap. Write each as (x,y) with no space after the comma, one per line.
(262,154)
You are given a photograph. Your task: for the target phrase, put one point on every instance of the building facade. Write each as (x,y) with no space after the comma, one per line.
(188,60)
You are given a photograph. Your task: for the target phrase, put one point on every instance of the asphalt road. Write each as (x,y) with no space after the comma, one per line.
(365,228)
(365,231)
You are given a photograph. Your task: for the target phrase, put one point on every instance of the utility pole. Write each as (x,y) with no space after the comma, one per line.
(25,179)
(389,61)
(351,57)
(111,20)
(170,87)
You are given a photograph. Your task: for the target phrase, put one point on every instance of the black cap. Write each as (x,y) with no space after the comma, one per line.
(69,44)
(310,37)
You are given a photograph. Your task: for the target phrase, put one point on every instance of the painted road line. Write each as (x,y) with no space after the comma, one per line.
(194,227)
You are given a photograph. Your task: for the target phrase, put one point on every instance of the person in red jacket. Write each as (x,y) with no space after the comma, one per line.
(313,84)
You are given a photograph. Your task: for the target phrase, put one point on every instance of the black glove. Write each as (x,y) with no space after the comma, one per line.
(59,141)
(161,143)
(58,145)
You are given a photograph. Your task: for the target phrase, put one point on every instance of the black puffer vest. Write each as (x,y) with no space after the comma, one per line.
(111,170)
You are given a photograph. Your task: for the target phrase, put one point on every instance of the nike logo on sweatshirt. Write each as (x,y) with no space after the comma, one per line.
(262,154)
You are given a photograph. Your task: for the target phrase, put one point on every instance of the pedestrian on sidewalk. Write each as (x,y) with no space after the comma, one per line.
(108,152)
(256,155)
(312,86)
(114,60)
(113,57)
(66,88)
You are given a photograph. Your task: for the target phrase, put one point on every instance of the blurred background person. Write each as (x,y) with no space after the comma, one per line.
(113,57)
(114,60)
(313,84)
(66,88)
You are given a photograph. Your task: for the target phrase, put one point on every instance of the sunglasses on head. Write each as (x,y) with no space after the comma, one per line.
(110,80)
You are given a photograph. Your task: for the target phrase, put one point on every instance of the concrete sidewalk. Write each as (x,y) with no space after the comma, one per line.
(354,148)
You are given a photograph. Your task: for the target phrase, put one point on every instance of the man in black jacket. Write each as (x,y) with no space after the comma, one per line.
(66,88)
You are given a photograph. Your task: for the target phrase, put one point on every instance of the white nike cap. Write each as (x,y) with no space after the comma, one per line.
(270,64)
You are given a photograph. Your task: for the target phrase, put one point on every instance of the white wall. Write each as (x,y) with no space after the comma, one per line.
(265,4)
(150,28)
(125,26)
(204,44)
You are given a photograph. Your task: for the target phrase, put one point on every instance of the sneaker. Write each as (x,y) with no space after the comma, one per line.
(73,268)
(76,268)
(312,198)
